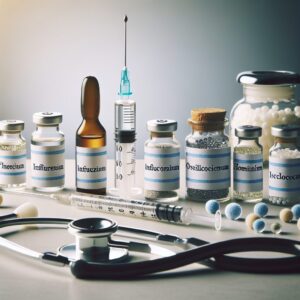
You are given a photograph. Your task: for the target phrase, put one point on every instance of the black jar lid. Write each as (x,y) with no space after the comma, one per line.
(268,77)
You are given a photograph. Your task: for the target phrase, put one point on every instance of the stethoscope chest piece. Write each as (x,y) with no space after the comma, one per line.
(92,237)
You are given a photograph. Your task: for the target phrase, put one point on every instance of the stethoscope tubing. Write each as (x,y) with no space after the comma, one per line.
(211,254)
(82,269)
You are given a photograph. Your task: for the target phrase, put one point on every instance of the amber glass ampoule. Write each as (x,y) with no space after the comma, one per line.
(90,142)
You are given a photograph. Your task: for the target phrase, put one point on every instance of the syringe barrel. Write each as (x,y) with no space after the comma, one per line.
(138,208)
(125,118)
(132,208)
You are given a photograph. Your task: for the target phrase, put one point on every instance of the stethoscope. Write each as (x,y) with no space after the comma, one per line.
(97,255)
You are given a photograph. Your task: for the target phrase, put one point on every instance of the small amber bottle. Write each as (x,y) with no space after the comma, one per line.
(90,142)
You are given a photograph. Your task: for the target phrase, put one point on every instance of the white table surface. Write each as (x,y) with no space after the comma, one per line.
(23,278)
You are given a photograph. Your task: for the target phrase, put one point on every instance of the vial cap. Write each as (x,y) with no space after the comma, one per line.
(208,119)
(286,131)
(248,131)
(162,125)
(200,115)
(47,118)
(268,77)
(12,125)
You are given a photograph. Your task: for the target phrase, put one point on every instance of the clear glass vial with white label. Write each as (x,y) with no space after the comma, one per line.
(12,155)
(47,153)
(284,165)
(207,156)
(162,160)
(248,165)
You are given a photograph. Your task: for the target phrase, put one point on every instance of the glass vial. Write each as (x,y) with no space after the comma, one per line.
(207,156)
(248,165)
(12,155)
(162,158)
(284,165)
(90,142)
(47,153)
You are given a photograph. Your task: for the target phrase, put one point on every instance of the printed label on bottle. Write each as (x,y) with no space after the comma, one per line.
(208,169)
(12,167)
(247,172)
(47,166)
(284,177)
(161,171)
(91,168)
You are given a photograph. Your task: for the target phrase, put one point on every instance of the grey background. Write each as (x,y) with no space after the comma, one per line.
(181,54)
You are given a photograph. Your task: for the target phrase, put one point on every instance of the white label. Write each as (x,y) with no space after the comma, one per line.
(284,177)
(12,167)
(91,168)
(161,171)
(247,172)
(47,166)
(208,169)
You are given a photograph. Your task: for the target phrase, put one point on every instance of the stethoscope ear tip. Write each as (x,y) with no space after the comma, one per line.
(26,210)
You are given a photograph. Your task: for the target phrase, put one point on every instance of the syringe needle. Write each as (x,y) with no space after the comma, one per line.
(125,21)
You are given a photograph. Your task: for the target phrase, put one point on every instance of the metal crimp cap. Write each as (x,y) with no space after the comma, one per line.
(248,131)
(286,131)
(162,125)
(47,118)
(12,125)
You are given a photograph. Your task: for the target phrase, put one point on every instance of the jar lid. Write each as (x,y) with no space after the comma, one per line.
(286,131)
(12,125)
(47,118)
(268,77)
(248,131)
(162,125)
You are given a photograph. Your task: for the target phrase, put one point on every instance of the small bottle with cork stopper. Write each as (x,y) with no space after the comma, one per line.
(90,142)
(207,156)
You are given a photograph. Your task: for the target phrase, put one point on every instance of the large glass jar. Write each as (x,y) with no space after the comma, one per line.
(269,99)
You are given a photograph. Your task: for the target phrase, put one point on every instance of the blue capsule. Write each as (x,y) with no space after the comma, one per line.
(259,225)
(261,209)
(233,211)
(212,206)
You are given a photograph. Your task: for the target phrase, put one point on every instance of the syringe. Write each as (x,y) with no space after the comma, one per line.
(125,135)
(132,208)
(139,208)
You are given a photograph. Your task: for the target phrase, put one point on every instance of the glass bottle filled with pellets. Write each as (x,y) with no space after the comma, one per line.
(162,158)
(90,142)
(12,155)
(47,153)
(284,165)
(248,165)
(268,99)
(207,156)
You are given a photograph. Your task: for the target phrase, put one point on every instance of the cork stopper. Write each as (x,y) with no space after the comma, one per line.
(207,119)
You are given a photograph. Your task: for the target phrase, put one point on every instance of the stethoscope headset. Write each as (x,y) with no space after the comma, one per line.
(96,255)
